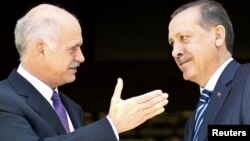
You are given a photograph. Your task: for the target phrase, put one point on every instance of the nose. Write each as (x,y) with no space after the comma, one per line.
(177,50)
(79,56)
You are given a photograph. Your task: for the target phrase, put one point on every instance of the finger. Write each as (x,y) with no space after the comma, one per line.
(158,101)
(165,95)
(118,89)
(153,114)
(146,97)
(156,106)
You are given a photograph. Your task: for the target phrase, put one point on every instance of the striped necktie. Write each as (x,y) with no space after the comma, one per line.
(202,105)
(60,110)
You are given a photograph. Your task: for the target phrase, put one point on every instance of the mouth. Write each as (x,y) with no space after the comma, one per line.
(183,60)
(73,70)
(74,65)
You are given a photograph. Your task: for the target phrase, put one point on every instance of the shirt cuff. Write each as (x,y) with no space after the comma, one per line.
(113,127)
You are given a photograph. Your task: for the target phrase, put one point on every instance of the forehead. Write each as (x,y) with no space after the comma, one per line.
(185,20)
(70,33)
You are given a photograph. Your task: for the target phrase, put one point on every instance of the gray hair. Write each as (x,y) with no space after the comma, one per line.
(32,27)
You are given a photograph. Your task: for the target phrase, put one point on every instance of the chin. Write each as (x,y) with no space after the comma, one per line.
(71,79)
(186,76)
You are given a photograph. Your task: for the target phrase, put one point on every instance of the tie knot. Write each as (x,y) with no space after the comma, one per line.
(204,96)
(55,96)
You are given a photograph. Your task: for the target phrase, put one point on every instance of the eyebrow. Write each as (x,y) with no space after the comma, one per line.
(76,44)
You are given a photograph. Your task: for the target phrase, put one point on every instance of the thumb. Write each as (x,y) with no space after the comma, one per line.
(118,89)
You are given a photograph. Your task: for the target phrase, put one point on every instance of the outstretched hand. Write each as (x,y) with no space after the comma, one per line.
(130,113)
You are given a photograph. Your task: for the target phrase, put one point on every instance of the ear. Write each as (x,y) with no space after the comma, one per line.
(40,48)
(220,35)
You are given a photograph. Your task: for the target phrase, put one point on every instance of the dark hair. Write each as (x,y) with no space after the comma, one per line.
(212,13)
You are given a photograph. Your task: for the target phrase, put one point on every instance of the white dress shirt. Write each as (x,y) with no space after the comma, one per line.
(47,93)
(43,89)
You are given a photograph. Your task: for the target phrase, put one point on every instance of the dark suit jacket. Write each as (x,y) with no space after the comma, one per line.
(229,102)
(25,115)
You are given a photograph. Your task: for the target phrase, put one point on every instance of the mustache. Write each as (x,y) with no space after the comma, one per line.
(74,65)
(183,59)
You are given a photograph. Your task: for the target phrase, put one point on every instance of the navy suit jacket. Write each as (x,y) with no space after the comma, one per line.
(229,102)
(25,115)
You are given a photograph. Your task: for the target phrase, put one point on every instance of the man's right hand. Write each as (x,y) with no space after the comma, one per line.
(130,113)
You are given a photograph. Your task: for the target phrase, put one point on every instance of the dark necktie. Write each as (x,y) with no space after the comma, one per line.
(202,105)
(60,110)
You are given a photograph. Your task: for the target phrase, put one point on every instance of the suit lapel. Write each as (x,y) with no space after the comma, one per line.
(190,127)
(216,101)
(218,97)
(44,109)
(36,101)
(74,112)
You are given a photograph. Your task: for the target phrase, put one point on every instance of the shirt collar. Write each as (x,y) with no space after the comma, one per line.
(44,89)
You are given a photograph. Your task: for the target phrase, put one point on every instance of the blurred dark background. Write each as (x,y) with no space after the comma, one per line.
(127,39)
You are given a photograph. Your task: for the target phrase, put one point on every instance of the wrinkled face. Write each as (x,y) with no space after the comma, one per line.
(193,47)
(64,56)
